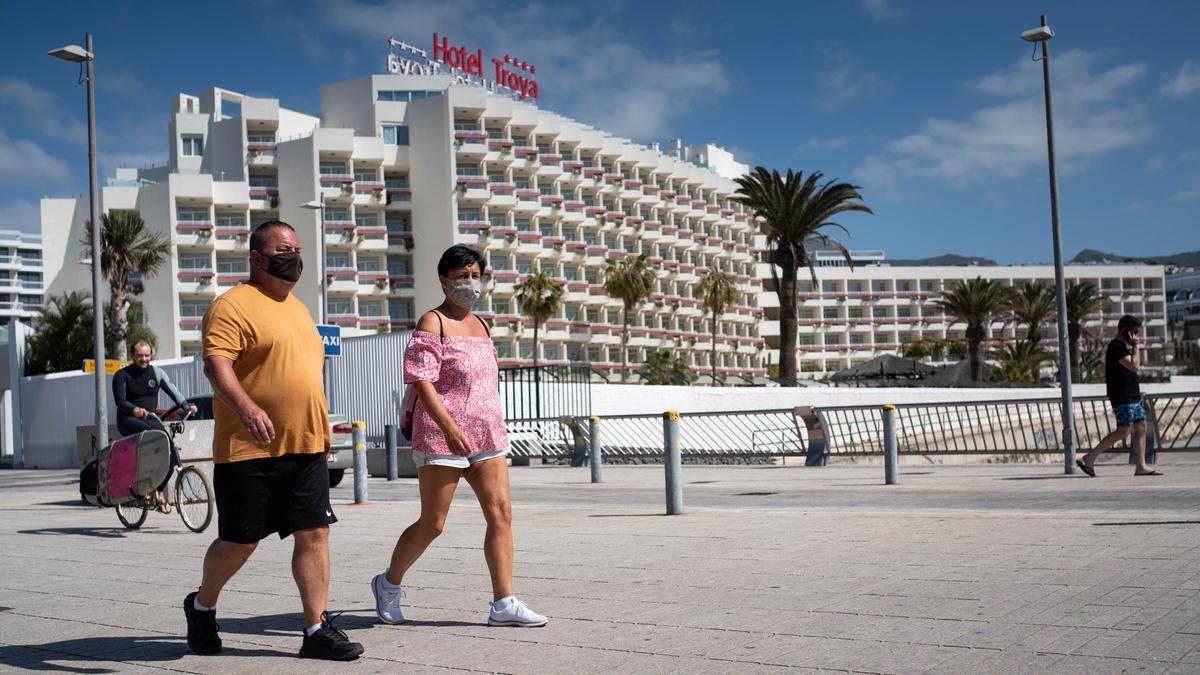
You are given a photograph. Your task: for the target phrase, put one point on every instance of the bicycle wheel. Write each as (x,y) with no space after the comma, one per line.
(133,513)
(194,499)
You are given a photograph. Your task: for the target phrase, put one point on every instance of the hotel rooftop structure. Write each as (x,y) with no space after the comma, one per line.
(403,167)
(853,315)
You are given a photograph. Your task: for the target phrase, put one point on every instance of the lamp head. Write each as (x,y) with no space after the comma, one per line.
(72,53)
(314,205)
(1039,34)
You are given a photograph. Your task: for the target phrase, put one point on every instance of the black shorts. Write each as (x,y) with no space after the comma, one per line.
(284,494)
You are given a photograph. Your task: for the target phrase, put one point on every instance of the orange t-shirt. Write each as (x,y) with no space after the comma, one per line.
(278,358)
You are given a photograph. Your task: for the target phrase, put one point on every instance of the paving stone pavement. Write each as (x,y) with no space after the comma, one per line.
(981,568)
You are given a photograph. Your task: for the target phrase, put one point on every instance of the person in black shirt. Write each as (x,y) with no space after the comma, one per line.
(135,390)
(1122,360)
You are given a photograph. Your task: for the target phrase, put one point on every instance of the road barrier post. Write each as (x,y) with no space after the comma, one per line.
(360,462)
(392,441)
(672,461)
(596,461)
(890,469)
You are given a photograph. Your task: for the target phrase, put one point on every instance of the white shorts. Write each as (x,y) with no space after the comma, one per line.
(457,461)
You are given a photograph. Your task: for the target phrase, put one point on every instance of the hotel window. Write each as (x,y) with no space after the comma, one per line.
(547,230)
(370,308)
(193,215)
(904,312)
(568,233)
(396,182)
(498,221)
(231,265)
(833,339)
(854,287)
(400,310)
(522,224)
(193,145)
(500,307)
(927,286)
(495,177)
(339,306)
(858,339)
(193,309)
(365,177)
(574,352)
(231,222)
(338,215)
(878,286)
(194,261)
(404,96)
(263,181)
(395,134)
(337,260)
(550,352)
(524,266)
(829,287)
(333,168)
(499,263)
(526,349)
(879,312)
(470,215)
(397,224)
(504,350)
(260,137)
(855,312)
(369,264)
(805,314)
(903,286)
(830,313)
(467,170)
(367,220)
(804,287)
(397,267)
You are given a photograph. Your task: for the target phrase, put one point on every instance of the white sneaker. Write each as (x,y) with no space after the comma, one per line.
(512,612)
(387,602)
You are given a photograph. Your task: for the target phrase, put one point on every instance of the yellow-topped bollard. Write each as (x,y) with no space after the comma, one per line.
(360,461)
(891,470)
(594,448)
(672,460)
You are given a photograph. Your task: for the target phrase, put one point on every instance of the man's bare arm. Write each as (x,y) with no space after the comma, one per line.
(229,391)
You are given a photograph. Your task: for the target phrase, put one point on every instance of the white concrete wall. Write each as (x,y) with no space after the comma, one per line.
(62,223)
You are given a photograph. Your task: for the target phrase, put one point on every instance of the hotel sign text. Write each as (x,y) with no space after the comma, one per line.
(466,66)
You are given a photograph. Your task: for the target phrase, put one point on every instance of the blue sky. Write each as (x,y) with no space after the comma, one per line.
(934,108)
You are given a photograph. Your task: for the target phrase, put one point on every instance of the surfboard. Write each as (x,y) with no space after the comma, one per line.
(133,466)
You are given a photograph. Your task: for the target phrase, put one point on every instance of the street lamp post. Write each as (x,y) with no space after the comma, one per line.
(77,54)
(1042,34)
(318,205)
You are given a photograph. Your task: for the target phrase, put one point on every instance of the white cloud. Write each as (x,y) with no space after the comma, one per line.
(41,110)
(20,215)
(880,9)
(603,80)
(1184,83)
(1094,115)
(824,143)
(840,86)
(1186,195)
(1156,163)
(23,162)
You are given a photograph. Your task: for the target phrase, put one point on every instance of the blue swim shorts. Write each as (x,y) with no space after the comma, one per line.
(1129,414)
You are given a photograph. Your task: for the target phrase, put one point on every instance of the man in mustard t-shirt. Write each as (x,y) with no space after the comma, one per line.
(264,359)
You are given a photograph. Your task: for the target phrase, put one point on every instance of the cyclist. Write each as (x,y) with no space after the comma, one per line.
(135,389)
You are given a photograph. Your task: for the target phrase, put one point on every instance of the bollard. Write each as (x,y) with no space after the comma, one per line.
(594,432)
(672,462)
(392,441)
(889,445)
(360,462)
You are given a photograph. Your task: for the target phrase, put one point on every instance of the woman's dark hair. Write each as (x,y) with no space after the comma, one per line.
(1128,322)
(460,256)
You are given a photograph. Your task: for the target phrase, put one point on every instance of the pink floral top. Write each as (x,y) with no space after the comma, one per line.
(464,372)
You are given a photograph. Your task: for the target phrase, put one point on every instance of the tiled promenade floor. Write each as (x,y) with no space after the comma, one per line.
(959,569)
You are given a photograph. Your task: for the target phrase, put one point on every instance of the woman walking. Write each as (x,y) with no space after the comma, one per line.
(457,432)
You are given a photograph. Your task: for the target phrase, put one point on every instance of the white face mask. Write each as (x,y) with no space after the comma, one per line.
(465,292)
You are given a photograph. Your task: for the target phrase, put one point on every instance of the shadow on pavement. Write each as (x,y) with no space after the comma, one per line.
(625,515)
(292,623)
(1149,522)
(68,502)
(101,532)
(444,624)
(1062,477)
(59,656)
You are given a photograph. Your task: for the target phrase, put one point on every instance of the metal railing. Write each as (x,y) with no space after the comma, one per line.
(1004,426)
(535,393)
(1007,426)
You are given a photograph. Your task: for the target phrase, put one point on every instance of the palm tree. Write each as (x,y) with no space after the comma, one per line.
(540,298)
(1022,360)
(1033,304)
(792,211)
(62,336)
(1083,298)
(126,247)
(974,302)
(631,281)
(717,291)
(663,367)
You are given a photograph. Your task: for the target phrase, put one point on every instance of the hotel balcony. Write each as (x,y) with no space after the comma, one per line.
(346,320)
(399,241)
(337,180)
(372,239)
(194,233)
(373,283)
(196,281)
(341,279)
(232,278)
(339,233)
(399,198)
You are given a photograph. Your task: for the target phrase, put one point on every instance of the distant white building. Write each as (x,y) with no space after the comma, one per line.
(22,279)
(407,165)
(851,316)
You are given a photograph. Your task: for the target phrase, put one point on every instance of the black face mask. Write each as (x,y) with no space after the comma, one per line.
(286,266)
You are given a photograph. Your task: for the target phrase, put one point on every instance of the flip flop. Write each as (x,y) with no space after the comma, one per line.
(1149,473)
(1085,468)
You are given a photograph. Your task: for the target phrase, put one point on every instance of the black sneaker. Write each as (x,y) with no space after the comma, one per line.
(329,643)
(202,627)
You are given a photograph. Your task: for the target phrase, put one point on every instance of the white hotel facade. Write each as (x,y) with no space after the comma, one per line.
(407,165)
(853,315)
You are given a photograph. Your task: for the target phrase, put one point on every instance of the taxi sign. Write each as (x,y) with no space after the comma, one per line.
(332,337)
(111,366)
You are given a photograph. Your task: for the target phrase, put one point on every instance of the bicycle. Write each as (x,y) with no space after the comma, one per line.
(193,493)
